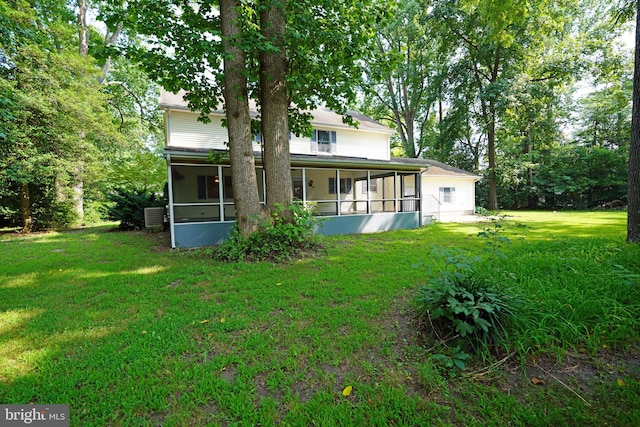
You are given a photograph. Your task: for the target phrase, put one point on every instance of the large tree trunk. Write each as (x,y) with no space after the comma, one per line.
(491,152)
(274,106)
(83,49)
(110,39)
(633,191)
(245,186)
(528,151)
(25,208)
(83,31)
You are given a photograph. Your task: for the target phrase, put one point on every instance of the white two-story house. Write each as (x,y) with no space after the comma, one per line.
(347,172)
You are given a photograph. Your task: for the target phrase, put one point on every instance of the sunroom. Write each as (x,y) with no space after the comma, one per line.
(353,195)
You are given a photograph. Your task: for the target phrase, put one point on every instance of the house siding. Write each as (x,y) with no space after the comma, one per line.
(185,131)
(462,204)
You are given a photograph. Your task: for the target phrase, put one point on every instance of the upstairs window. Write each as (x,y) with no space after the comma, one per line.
(323,141)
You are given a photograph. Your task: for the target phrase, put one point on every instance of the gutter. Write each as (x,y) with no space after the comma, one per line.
(309,161)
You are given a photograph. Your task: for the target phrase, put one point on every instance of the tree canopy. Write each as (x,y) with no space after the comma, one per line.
(534,96)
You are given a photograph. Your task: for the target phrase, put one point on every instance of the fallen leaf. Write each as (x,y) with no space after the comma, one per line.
(605,346)
(222,320)
(204,321)
(347,390)
(211,334)
(537,381)
(278,284)
(144,332)
(620,382)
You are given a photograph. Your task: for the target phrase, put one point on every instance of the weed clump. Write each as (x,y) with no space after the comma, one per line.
(463,304)
(288,232)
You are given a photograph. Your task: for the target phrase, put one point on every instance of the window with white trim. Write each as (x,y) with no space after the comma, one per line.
(323,141)
(345,185)
(447,194)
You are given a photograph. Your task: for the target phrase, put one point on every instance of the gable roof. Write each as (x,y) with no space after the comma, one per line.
(321,116)
(438,169)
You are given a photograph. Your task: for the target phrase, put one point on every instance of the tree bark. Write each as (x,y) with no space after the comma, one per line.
(83,32)
(528,151)
(109,40)
(83,49)
(491,153)
(25,208)
(633,189)
(275,105)
(245,185)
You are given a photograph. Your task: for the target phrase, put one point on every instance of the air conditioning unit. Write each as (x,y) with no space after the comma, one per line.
(153,217)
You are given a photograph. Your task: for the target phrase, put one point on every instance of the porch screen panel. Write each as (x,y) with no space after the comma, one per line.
(410,199)
(196,213)
(321,189)
(227,195)
(384,198)
(195,193)
(194,184)
(352,199)
(297,184)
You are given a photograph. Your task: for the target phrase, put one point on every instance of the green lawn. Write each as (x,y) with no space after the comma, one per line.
(130,333)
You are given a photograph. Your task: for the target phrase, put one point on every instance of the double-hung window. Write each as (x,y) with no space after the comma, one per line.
(345,185)
(447,194)
(323,141)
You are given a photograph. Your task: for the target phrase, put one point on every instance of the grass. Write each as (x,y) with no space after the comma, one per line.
(129,333)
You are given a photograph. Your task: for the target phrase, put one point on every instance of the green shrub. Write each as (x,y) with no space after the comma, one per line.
(279,238)
(458,300)
(129,207)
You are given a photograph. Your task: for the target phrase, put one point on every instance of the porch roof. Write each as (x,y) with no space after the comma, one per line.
(303,160)
(439,169)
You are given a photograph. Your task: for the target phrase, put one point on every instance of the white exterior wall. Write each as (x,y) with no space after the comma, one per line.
(463,202)
(358,143)
(185,131)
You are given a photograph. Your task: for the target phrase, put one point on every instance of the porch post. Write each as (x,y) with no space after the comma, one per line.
(339,203)
(369,192)
(170,196)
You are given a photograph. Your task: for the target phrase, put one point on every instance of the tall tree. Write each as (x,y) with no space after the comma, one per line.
(502,43)
(236,98)
(633,195)
(324,42)
(53,99)
(274,103)
(405,79)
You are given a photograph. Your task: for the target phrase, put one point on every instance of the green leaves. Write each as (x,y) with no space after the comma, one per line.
(460,300)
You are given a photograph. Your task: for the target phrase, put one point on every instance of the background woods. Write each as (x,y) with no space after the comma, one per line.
(535,97)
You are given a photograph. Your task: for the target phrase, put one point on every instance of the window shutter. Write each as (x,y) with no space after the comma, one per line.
(333,142)
(314,141)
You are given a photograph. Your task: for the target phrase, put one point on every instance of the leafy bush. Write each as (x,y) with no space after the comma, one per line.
(459,300)
(278,238)
(129,207)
